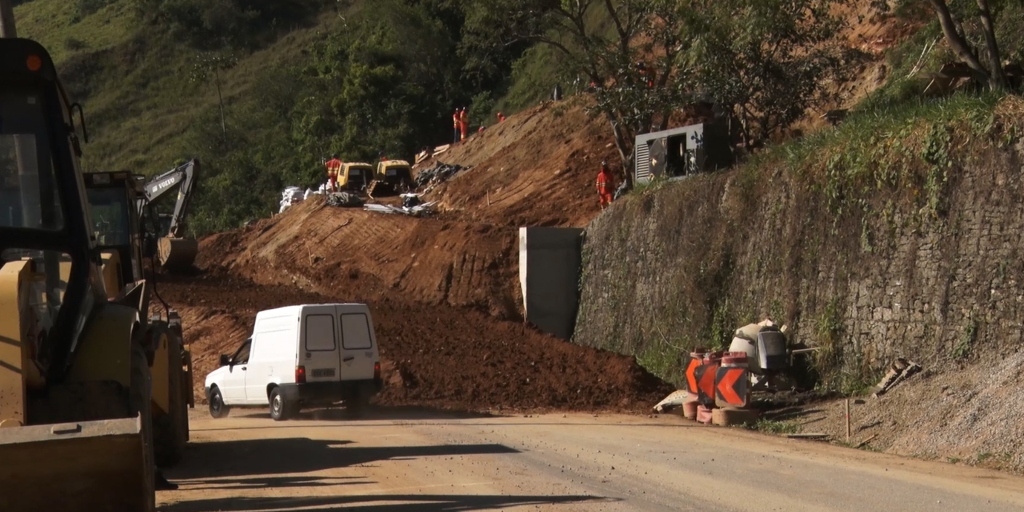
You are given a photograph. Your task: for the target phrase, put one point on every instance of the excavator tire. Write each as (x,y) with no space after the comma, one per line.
(169,436)
(177,253)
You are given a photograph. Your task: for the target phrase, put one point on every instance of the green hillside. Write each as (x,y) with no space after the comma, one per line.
(298,79)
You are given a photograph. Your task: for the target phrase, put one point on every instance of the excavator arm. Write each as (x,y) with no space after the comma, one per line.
(181,178)
(174,251)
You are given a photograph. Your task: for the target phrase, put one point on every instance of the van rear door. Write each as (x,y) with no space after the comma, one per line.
(318,343)
(358,353)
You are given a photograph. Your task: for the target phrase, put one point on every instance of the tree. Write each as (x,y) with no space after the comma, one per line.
(209,66)
(970,29)
(765,61)
(601,40)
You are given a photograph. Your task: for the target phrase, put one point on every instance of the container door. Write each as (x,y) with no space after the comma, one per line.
(357,350)
(318,343)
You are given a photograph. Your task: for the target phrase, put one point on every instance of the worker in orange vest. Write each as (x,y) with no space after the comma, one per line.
(333,172)
(501,117)
(605,188)
(464,123)
(456,123)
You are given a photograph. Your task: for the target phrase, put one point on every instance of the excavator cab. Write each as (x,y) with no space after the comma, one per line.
(392,177)
(119,199)
(74,407)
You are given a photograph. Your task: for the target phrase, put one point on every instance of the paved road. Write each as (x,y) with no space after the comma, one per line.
(412,461)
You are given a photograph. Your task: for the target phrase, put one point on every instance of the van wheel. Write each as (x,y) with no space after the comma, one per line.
(279,408)
(217,407)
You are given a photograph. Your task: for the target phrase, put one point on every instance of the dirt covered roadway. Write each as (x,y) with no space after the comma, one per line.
(417,460)
(439,356)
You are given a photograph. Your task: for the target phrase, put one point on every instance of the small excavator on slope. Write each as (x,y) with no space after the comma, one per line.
(173,250)
(76,429)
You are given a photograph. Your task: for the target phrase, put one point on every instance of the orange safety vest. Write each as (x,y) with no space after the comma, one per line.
(455,119)
(464,118)
(333,168)
(604,184)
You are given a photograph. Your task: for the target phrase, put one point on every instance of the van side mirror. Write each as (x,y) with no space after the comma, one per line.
(225,360)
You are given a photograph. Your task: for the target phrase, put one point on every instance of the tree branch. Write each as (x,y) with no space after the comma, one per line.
(998,77)
(956,39)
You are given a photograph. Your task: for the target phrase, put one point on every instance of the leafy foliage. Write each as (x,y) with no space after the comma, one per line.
(976,31)
(765,60)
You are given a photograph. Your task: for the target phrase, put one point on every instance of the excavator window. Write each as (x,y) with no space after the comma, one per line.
(110,216)
(28,187)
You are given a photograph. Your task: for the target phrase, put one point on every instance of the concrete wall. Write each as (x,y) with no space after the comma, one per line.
(887,277)
(549,269)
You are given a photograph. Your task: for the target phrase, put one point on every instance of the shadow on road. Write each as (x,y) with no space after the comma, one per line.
(378,502)
(274,481)
(249,457)
(392,413)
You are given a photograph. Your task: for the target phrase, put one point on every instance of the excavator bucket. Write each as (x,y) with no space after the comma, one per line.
(177,253)
(88,466)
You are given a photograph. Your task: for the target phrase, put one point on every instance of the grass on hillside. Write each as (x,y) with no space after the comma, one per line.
(141,103)
(56,25)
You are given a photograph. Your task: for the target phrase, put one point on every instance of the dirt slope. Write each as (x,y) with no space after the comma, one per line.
(444,289)
(536,168)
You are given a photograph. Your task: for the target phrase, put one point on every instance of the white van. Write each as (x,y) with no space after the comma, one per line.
(300,356)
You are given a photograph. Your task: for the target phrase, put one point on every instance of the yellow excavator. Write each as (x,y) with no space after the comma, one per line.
(76,429)
(124,219)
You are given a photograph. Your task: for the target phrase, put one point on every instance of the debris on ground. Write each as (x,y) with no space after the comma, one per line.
(672,401)
(899,371)
(411,200)
(440,173)
(290,196)
(419,210)
(344,199)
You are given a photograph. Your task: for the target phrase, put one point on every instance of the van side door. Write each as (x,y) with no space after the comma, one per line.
(318,344)
(357,350)
(232,386)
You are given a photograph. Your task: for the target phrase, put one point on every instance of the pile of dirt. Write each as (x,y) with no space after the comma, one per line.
(537,168)
(439,356)
(360,255)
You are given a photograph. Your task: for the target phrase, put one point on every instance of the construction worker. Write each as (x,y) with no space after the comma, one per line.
(456,123)
(501,117)
(464,122)
(605,187)
(333,172)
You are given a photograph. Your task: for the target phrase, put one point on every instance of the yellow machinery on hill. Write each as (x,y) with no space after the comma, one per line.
(75,412)
(355,176)
(123,218)
(391,177)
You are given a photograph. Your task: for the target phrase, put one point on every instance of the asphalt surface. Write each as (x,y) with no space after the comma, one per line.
(414,460)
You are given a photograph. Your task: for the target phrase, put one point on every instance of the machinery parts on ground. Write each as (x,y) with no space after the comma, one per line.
(392,177)
(437,175)
(344,199)
(121,215)
(173,250)
(74,373)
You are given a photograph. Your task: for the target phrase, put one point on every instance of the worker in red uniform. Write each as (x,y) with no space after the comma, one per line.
(605,187)
(464,123)
(501,117)
(333,172)
(456,123)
